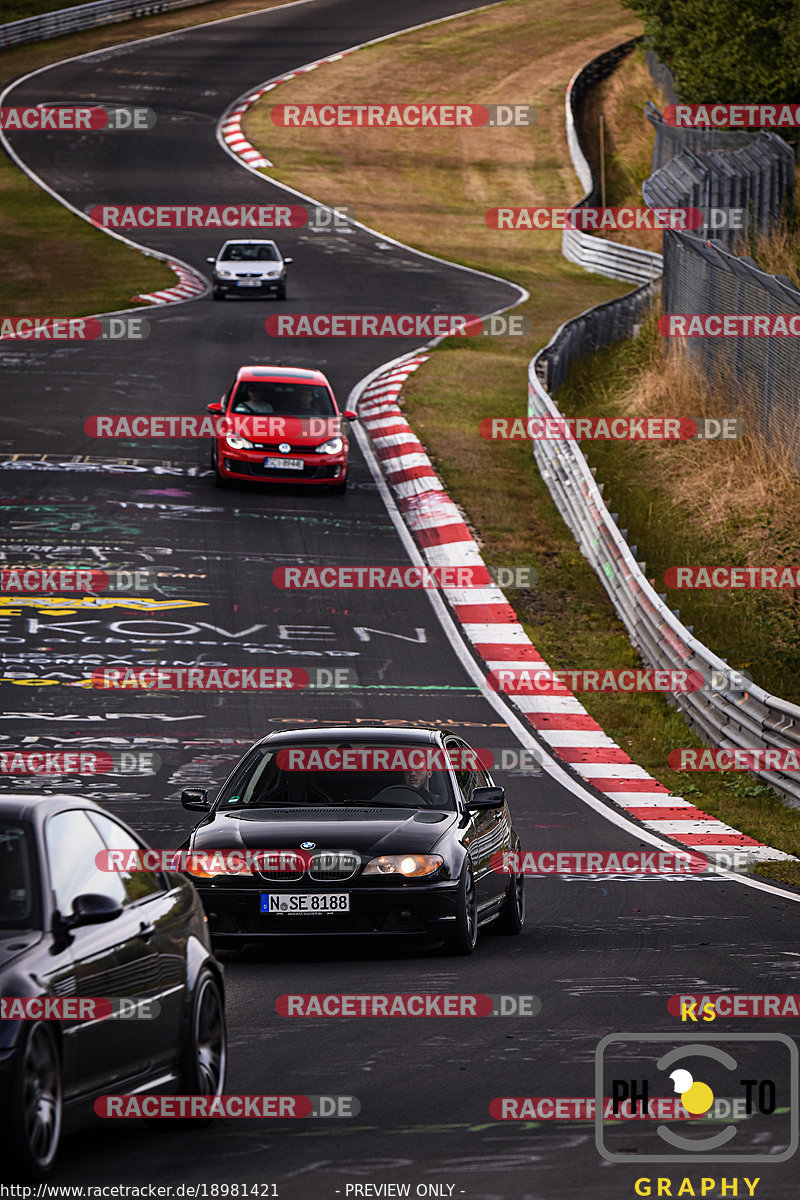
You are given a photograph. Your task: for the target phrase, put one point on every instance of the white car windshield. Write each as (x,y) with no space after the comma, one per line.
(246,252)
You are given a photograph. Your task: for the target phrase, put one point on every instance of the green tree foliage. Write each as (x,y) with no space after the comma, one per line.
(726,51)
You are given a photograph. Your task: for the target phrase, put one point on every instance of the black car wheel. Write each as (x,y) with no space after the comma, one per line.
(217,294)
(36,1103)
(512,914)
(462,938)
(219,480)
(281,292)
(338,489)
(204,1056)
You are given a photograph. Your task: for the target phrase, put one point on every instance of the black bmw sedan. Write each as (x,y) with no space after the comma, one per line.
(126,955)
(365,832)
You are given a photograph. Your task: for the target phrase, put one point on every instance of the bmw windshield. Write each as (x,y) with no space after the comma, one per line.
(324,776)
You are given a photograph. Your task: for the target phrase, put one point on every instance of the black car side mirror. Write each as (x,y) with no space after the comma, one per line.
(487,797)
(195,799)
(91,908)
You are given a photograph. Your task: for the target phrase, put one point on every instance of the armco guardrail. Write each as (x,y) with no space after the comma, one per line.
(84,16)
(595,253)
(727,719)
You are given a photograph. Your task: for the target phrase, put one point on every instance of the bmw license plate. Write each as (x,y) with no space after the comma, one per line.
(311,904)
(287,464)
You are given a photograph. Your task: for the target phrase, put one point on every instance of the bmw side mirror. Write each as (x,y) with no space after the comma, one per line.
(484,798)
(195,799)
(92,909)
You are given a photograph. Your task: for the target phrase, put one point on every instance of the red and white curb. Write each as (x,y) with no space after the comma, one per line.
(492,628)
(231,126)
(190,285)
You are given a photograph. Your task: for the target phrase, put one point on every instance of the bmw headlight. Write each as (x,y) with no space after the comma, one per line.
(236,442)
(410,866)
(332,446)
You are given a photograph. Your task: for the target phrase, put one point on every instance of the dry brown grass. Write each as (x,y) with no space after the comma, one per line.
(778,252)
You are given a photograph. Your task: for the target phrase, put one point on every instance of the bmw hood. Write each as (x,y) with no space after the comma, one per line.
(367,831)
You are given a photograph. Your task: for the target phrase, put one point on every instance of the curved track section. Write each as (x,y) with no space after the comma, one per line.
(603,954)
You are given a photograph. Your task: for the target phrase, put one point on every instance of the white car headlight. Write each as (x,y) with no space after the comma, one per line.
(223,274)
(332,446)
(238,443)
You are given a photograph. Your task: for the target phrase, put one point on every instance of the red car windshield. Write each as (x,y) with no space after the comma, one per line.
(282,399)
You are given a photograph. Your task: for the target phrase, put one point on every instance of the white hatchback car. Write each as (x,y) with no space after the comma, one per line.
(245,268)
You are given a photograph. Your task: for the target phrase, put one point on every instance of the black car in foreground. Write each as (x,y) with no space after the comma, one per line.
(72,930)
(382,844)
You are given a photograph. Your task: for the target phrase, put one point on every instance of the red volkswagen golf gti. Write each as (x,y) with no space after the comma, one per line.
(282,425)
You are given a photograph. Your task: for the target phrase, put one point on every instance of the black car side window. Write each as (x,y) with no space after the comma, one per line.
(137,884)
(464,776)
(73,844)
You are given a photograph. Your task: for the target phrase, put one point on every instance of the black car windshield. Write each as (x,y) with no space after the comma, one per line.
(244,252)
(301,777)
(20,901)
(282,399)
